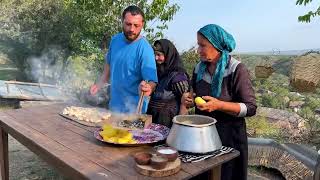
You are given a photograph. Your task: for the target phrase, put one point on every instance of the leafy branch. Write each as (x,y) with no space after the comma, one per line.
(311,14)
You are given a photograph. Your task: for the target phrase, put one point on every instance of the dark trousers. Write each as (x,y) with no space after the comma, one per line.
(163,113)
(234,135)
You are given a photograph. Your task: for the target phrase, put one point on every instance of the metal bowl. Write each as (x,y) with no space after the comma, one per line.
(194,134)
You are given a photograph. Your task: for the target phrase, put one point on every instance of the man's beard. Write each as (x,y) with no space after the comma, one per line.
(131,37)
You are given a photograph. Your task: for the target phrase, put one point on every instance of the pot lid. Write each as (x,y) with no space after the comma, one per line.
(194,120)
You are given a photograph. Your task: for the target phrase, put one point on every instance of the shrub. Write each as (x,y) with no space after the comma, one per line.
(260,127)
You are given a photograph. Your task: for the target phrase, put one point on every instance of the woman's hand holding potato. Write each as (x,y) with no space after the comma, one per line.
(211,104)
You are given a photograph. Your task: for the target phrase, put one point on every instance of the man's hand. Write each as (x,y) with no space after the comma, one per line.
(146,88)
(94,89)
(103,79)
(212,104)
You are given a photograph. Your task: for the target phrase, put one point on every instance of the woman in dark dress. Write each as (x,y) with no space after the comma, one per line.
(172,83)
(224,83)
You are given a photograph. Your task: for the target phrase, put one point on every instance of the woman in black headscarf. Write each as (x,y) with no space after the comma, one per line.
(173,81)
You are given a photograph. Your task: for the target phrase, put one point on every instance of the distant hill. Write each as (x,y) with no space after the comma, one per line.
(279,52)
(281,63)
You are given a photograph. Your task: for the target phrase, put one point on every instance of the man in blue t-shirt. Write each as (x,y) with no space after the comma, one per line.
(130,66)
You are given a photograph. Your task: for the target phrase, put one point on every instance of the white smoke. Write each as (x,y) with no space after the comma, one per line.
(47,67)
(53,67)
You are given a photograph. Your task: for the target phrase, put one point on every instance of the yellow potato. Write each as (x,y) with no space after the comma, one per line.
(127,136)
(113,140)
(123,140)
(132,141)
(108,133)
(105,138)
(122,133)
(199,100)
(107,127)
(113,135)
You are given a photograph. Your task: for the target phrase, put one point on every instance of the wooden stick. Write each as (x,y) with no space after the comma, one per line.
(140,103)
(8,90)
(20,91)
(42,93)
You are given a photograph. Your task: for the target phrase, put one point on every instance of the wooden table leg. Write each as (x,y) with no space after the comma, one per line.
(316,175)
(215,173)
(4,161)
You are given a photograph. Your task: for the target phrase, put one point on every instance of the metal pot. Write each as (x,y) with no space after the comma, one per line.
(194,134)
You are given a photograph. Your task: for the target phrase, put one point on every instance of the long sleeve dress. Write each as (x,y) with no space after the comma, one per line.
(236,87)
(165,101)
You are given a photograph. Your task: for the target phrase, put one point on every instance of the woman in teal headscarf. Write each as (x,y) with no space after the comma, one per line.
(224,83)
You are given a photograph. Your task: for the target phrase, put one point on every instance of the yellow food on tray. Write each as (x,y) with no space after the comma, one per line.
(114,135)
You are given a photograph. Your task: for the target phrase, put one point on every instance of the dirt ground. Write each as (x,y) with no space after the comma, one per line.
(25,165)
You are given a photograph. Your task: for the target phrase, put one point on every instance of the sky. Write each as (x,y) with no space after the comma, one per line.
(257,25)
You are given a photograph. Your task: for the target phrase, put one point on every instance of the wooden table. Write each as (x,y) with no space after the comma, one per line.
(73,150)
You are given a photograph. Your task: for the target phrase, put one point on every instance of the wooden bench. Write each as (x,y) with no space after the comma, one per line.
(294,161)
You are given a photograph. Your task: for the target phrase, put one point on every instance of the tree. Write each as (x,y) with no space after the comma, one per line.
(93,19)
(31,28)
(190,58)
(311,14)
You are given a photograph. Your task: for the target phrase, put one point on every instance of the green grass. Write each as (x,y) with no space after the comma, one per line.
(8,74)
(260,127)
(8,71)
(5,107)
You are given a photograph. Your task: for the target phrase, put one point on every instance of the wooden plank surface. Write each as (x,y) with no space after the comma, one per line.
(114,158)
(78,139)
(190,168)
(113,153)
(55,153)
